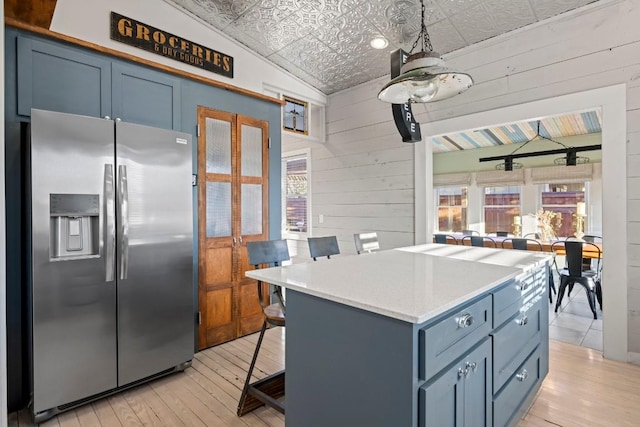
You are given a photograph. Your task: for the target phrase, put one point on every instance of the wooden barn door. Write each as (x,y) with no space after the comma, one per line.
(232,210)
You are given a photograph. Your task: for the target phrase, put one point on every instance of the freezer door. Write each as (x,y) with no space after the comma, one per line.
(155,250)
(73,301)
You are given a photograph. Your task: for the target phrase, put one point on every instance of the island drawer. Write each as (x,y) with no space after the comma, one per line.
(508,300)
(509,400)
(515,340)
(449,338)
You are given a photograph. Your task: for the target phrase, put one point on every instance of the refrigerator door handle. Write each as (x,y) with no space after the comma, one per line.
(110,226)
(123,201)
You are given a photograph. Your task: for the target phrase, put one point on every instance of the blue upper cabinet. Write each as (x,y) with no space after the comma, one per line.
(61,79)
(145,96)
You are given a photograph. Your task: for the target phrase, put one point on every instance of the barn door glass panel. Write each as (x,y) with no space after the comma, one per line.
(218,209)
(251,209)
(218,146)
(251,151)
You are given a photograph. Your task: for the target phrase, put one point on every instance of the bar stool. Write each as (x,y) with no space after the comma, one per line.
(323,246)
(267,390)
(366,242)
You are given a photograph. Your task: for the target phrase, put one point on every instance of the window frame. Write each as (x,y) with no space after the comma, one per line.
(305,106)
(294,155)
(463,206)
(485,206)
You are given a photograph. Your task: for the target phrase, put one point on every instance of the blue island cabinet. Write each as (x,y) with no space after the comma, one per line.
(479,363)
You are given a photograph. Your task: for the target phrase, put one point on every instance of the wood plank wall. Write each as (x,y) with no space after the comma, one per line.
(363,175)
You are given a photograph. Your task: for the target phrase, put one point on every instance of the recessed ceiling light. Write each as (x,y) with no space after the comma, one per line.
(379,42)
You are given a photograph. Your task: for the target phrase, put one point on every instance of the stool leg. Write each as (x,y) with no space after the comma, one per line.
(245,389)
(599,293)
(560,294)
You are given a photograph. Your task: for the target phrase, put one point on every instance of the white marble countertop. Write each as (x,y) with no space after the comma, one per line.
(412,284)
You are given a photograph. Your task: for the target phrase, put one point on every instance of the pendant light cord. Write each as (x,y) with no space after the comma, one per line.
(424,35)
(538,135)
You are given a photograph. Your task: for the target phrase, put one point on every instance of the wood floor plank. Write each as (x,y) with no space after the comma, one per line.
(105,413)
(582,389)
(87,416)
(123,411)
(142,409)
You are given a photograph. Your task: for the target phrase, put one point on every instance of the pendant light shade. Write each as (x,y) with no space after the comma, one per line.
(424,77)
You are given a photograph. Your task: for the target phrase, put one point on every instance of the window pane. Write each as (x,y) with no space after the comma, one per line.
(295,189)
(501,206)
(452,209)
(251,209)
(218,134)
(564,199)
(218,209)
(251,151)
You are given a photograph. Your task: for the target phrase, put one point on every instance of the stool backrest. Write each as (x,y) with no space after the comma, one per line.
(323,246)
(267,252)
(366,242)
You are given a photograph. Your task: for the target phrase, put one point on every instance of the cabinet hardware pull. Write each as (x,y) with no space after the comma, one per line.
(524,286)
(523,320)
(240,239)
(464,321)
(234,241)
(462,373)
(523,375)
(471,367)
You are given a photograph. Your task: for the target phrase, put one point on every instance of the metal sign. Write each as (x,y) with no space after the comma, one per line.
(403,116)
(151,39)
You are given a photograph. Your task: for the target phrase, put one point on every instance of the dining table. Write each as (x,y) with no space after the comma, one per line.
(589,251)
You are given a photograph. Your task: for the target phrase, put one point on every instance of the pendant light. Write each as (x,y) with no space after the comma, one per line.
(424,77)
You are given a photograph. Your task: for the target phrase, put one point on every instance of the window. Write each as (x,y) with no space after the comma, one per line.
(295,194)
(295,116)
(565,199)
(452,205)
(501,206)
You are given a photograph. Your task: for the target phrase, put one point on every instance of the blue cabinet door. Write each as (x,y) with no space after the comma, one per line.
(461,395)
(56,78)
(145,97)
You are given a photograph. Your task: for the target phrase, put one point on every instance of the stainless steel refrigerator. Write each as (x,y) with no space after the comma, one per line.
(112,257)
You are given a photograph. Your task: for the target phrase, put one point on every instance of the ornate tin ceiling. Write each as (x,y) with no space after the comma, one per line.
(326,42)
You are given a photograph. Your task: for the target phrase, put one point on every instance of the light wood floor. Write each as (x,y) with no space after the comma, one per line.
(582,389)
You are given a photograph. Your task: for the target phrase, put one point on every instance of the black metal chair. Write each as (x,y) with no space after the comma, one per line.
(323,246)
(573,273)
(444,238)
(522,244)
(268,390)
(366,242)
(532,236)
(479,241)
(501,233)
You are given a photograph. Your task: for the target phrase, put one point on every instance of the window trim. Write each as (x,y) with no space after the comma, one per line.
(290,155)
(305,106)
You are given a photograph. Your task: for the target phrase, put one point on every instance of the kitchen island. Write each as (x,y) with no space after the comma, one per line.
(429,335)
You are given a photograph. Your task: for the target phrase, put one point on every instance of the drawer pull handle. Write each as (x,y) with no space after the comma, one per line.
(464,321)
(523,320)
(524,286)
(523,375)
(462,373)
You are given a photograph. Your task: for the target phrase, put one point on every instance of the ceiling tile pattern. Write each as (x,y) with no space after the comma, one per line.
(521,132)
(326,42)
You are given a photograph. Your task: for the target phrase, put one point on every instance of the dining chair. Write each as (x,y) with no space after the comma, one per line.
(532,236)
(500,233)
(479,241)
(445,238)
(323,246)
(591,238)
(366,242)
(268,390)
(520,243)
(574,273)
